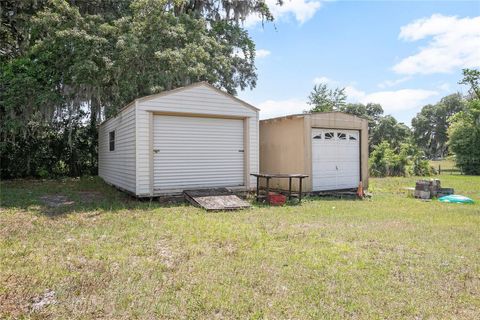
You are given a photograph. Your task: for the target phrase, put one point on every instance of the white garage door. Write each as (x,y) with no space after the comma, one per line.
(193,152)
(335,159)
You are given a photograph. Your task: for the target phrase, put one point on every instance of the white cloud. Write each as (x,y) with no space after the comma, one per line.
(259,54)
(324,80)
(353,94)
(301,10)
(262,53)
(272,108)
(445,87)
(454,44)
(392,83)
(392,101)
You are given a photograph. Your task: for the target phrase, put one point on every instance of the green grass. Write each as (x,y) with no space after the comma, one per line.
(109,256)
(447,166)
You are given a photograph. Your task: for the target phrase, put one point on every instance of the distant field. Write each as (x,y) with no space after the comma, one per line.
(446,165)
(78,249)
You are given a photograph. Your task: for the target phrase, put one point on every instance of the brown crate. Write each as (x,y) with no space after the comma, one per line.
(422,194)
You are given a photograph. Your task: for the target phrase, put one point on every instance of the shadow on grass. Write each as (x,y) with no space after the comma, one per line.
(333,198)
(309,198)
(55,198)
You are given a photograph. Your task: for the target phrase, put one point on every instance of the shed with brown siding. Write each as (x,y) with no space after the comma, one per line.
(189,138)
(330,147)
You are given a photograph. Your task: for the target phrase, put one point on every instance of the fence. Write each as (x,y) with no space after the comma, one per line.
(448,170)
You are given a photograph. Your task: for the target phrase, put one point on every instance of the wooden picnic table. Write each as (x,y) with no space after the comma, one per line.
(268,176)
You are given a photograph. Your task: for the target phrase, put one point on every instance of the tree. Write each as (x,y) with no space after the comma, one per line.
(324,99)
(372,112)
(464,138)
(388,129)
(384,161)
(68,64)
(471,77)
(464,130)
(431,123)
(380,127)
(407,160)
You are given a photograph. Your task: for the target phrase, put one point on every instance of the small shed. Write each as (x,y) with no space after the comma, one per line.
(330,147)
(189,138)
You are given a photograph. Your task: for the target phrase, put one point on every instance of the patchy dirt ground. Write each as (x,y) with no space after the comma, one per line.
(41,301)
(56,200)
(104,255)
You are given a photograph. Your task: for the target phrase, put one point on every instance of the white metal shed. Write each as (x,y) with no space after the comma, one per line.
(188,138)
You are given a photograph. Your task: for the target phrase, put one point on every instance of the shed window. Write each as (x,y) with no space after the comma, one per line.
(329,135)
(318,136)
(111,139)
(342,136)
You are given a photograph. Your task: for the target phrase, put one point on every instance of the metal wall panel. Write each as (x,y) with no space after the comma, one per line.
(199,100)
(117,167)
(197,152)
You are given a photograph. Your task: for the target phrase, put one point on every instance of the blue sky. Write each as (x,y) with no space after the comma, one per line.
(402,54)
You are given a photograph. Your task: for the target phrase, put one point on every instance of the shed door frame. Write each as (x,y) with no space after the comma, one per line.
(246,142)
(360,143)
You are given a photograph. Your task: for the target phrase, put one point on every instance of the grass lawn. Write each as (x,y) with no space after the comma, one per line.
(447,166)
(80,249)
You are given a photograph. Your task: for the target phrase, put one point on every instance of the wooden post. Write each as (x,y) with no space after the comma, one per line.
(258,188)
(289,188)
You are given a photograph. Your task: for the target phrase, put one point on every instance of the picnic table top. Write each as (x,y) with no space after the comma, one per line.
(279,175)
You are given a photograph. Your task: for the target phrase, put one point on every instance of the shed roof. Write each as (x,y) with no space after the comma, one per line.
(179,89)
(301,115)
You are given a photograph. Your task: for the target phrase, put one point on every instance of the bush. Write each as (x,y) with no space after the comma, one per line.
(408,160)
(464,135)
(51,151)
(385,162)
(420,167)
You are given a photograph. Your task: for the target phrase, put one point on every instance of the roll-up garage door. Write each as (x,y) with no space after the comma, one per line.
(335,159)
(195,152)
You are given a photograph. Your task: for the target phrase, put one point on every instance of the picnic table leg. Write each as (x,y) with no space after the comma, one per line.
(268,189)
(289,188)
(299,190)
(258,188)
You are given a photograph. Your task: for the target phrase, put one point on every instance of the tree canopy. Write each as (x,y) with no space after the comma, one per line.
(464,130)
(381,127)
(471,77)
(66,65)
(373,112)
(323,99)
(431,123)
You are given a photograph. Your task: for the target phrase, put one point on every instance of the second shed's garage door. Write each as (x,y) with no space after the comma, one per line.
(335,159)
(194,152)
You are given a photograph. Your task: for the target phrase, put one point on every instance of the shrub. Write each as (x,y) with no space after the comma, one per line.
(384,161)
(408,160)
(464,138)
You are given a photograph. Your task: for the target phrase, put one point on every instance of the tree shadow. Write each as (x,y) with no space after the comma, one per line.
(60,197)
(308,198)
(333,198)
(55,198)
